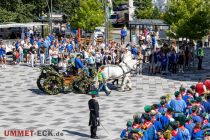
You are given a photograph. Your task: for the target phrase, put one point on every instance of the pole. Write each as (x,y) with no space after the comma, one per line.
(106,23)
(51,18)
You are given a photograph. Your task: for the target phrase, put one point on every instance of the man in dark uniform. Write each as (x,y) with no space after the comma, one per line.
(94,114)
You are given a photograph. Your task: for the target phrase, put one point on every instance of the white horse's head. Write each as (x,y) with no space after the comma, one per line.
(130,62)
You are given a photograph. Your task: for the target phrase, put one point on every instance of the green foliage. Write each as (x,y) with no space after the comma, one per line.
(89,15)
(16,11)
(188,18)
(117,2)
(146,10)
(69,7)
(6,16)
(86,14)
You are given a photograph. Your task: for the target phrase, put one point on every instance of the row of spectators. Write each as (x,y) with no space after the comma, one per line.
(186,117)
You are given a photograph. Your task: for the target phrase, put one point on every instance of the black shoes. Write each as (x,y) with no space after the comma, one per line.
(96,137)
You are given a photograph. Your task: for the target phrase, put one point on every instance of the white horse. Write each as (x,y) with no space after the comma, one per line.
(121,71)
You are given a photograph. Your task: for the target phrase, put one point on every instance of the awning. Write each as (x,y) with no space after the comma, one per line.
(30,24)
(157,22)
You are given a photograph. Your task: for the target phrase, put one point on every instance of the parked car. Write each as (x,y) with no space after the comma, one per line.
(122,7)
(113,18)
(99,32)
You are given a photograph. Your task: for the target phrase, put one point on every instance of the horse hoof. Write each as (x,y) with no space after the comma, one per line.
(130,88)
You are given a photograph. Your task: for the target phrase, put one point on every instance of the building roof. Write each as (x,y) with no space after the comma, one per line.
(30,24)
(157,22)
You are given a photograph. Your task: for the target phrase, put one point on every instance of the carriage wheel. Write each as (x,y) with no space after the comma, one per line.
(40,82)
(52,85)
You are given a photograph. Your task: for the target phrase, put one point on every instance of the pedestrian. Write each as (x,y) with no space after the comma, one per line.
(98,59)
(149,132)
(174,58)
(200,55)
(200,88)
(102,81)
(42,55)
(182,130)
(181,60)
(187,57)
(178,104)
(94,120)
(123,34)
(125,134)
(20,49)
(32,52)
(2,55)
(47,44)
(140,62)
(153,42)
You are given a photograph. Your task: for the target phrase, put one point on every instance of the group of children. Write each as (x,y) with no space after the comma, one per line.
(184,118)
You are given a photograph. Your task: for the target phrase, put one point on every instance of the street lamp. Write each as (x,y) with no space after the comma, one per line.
(50,14)
(106,23)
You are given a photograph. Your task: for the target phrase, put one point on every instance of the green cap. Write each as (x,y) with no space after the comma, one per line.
(174,125)
(136,118)
(188,118)
(182,119)
(162,102)
(176,93)
(192,86)
(163,97)
(205,115)
(147,108)
(206,133)
(181,89)
(169,109)
(190,91)
(155,106)
(129,123)
(194,108)
(93,92)
(198,99)
(192,101)
(146,117)
(79,55)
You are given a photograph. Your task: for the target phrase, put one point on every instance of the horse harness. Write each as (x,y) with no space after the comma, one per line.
(124,73)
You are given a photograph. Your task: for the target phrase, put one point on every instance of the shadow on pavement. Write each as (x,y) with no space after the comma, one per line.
(37,91)
(77,133)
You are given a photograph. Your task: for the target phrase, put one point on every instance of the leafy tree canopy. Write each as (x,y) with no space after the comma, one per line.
(188,18)
(89,15)
(146,10)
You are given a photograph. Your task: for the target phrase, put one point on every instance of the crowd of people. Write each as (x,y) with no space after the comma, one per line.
(63,51)
(186,117)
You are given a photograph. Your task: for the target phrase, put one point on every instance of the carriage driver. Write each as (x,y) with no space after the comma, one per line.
(102,81)
(79,65)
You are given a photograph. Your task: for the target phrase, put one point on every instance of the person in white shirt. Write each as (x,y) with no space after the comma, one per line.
(54,55)
(21,53)
(98,59)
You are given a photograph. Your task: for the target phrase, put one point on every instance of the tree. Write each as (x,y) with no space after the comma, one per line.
(188,18)
(89,15)
(117,2)
(6,16)
(146,10)
(16,11)
(69,7)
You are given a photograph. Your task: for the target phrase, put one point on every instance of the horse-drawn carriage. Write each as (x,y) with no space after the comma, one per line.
(52,82)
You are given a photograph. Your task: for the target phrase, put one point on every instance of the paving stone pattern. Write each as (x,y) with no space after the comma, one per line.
(23,106)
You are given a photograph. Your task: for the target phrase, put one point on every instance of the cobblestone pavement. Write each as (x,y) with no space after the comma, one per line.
(23,106)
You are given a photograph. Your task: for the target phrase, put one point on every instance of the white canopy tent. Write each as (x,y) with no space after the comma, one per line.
(8,43)
(22,25)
